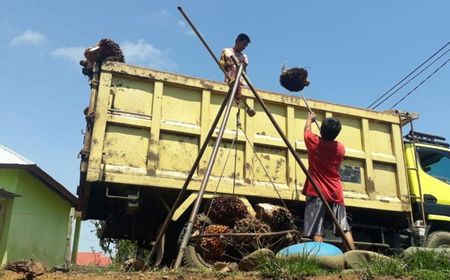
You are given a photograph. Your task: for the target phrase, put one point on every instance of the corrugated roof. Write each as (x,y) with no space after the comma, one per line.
(11,159)
(93,258)
(8,156)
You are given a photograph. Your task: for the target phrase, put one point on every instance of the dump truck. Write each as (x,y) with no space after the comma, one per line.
(144,129)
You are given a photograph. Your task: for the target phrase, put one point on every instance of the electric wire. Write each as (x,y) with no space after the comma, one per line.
(407,82)
(412,72)
(421,83)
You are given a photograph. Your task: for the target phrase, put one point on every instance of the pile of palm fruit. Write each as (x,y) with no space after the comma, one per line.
(106,49)
(228,214)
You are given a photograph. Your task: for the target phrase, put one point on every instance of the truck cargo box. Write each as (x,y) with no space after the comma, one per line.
(145,128)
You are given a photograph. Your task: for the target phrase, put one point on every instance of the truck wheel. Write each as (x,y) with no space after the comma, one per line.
(193,259)
(438,239)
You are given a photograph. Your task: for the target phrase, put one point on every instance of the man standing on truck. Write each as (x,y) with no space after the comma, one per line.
(241,42)
(325,156)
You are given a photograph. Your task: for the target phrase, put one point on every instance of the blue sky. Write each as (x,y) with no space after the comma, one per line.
(354,50)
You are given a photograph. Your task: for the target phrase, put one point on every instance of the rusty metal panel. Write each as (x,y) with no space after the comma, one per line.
(300,177)
(149,126)
(385,186)
(176,153)
(131,95)
(380,136)
(126,146)
(216,101)
(264,128)
(181,105)
(273,160)
(224,164)
(351,135)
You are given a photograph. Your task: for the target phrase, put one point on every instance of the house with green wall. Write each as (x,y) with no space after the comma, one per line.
(34,213)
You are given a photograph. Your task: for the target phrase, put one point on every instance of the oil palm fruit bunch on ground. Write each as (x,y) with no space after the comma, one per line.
(282,220)
(212,247)
(226,210)
(250,243)
(278,217)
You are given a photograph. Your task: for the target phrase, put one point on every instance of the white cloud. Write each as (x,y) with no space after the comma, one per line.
(158,20)
(71,53)
(187,30)
(158,15)
(143,53)
(28,38)
(163,13)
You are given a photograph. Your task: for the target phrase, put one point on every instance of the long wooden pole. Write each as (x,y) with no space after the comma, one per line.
(208,171)
(297,158)
(283,136)
(177,202)
(250,111)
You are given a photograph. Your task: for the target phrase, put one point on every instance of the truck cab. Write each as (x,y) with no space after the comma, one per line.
(428,164)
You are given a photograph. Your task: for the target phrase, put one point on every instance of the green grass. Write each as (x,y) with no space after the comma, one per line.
(382,267)
(428,265)
(290,268)
(427,260)
(422,265)
(430,275)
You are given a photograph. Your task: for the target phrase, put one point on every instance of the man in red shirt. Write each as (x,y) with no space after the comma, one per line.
(325,156)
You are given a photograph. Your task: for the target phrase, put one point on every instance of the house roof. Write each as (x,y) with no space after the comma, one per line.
(6,194)
(13,160)
(93,258)
(8,156)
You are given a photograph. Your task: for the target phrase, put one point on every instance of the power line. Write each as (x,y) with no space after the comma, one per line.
(429,76)
(420,72)
(412,72)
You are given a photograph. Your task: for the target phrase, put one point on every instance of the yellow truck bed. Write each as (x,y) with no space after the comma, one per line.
(149,126)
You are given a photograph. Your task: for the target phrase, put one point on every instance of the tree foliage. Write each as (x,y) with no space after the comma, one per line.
(119,250)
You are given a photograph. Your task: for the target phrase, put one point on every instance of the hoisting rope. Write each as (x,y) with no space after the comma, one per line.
(234,143)
(238,124)
(223,169)
(265,170)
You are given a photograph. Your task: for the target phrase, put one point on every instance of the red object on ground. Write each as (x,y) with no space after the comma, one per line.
(93,258)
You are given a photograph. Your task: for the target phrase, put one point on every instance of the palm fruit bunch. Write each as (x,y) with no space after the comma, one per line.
(251,243)
(294,79)
(279,218)
(212,247)
(282,219)
(106,49)
(226,210)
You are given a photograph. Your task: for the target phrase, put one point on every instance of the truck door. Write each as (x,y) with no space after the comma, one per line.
(435,179)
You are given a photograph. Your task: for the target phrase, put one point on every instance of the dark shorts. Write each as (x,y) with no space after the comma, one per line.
(314,222)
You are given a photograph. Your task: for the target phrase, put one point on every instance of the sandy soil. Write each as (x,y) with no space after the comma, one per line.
(9,275)
(169,275)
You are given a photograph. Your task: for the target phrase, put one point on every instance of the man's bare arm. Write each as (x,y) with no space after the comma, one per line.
(309,120)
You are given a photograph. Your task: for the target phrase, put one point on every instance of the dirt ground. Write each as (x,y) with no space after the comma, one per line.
(169,275)
(9,275)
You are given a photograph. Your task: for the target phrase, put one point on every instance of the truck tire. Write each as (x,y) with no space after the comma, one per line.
(438,239)
(193,259)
